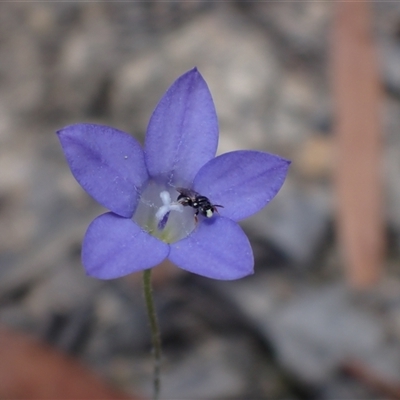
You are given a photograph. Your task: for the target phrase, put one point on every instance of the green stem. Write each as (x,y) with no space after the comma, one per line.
(155,331)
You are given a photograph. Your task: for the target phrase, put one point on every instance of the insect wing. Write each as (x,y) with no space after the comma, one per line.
(187,192)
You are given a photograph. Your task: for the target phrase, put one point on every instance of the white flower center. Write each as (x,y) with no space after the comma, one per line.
(162,217)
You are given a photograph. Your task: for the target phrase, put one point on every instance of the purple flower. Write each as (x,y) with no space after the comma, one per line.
(146,223)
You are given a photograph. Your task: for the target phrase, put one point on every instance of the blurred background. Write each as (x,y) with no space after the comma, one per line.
(315,82)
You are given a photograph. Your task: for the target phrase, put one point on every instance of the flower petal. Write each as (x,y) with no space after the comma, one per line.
(183,131)
(243,182)
(108,164)
(114,246)
(217,249)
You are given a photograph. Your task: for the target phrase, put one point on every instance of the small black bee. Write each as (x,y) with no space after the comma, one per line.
(201,204)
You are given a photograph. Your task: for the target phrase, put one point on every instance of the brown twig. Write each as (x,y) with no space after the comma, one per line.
(357,103)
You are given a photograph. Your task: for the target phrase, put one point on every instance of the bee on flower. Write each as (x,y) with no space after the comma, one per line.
(159,196)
